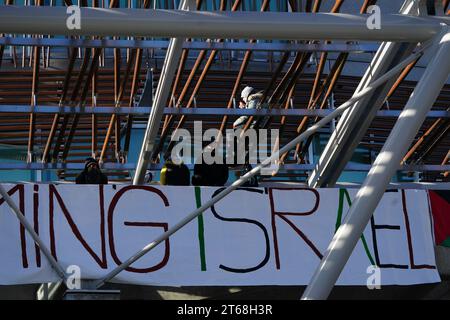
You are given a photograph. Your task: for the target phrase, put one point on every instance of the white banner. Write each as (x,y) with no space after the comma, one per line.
(254,236)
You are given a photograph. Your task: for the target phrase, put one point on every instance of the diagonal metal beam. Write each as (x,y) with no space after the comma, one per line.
(94,91)
(134,88)
(134,53)
(431,139)
(73,98)
(329,83)
(429,136)
(355,122)
(56,118)
(385,165)
(73,127)
(444,162)
(34,92)
(316,90)
(162,94)
(115,122)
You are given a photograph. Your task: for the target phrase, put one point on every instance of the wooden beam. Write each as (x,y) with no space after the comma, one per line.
(34,93)
(56,118)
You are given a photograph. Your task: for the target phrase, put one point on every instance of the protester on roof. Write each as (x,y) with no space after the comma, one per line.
(91,173)
(249,100)
(175,174)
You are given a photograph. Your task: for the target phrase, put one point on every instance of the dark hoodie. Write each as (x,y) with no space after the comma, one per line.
(91,175)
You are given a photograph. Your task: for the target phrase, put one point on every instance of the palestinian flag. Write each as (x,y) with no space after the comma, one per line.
(440,208)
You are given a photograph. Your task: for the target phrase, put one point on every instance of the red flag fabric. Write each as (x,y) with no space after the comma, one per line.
(440,207)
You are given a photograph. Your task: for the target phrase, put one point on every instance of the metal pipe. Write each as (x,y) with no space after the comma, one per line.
(201,24)
(73,99)
(340,62)
(400,79)
(317,5)
(418,143)
(134,89)
(354,123)
(273,158)
(94,80)
(56,266)
(323,58)
(158,166)
(283,123)
(169,123)
(181,121)
(317,78)
(329,83)
(92,71)
(34,92)
(180,70)
(378,178)
(237,83)
(337,6)
(446,159)
(204,111)
(434,140)
(2,49)
(192,45)
(162,94)
(118,101)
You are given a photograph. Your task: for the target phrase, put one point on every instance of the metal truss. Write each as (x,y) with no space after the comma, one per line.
(145,111)
(191,45)
(159,166)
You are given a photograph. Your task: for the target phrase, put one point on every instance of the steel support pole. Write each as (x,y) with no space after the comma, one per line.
(173,56)
(385,165)
(217,25)
(56,266)
(273,158)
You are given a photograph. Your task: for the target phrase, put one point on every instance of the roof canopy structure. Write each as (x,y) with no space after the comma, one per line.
(66,93)
(121,50)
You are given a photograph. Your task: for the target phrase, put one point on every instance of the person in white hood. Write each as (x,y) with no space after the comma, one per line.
(249,100)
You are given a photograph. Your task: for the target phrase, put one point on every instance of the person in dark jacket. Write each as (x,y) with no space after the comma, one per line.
(91,173)
(213,175)
(175,174)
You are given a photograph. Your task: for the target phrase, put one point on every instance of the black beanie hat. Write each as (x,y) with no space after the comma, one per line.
(89,161)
